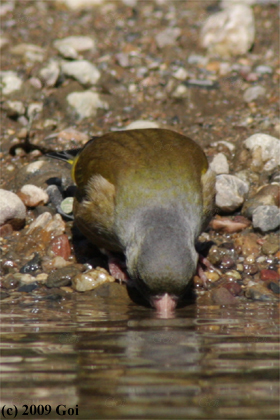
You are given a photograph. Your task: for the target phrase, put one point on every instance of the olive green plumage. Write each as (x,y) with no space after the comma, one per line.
(147,193)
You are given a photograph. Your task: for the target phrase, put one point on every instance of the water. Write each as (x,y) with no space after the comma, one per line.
(102,356)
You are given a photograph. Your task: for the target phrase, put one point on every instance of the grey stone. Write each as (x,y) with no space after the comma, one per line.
(50,73)
(86,103)
(167,37)
(140,124)
(81,70)
(253,93)
(220,164)
(71,45)
(231,192)
(266,218)
(12,209)
(263,69)
(10,82)
(31,52)
(14,108)
(270,149)
(229,32)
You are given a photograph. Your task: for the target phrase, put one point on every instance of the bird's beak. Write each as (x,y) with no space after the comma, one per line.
(164,305)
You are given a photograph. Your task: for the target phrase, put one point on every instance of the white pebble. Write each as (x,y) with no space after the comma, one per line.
(12,209)
(220,164)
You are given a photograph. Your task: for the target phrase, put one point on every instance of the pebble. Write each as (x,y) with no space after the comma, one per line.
(12,209)
(3,41)
(71,135)
(35,82)
(10,282)
(181,91)
(48,223)
(259,292)
(226,225)
(198,59)
(56,262)
(60,247)
(253,93)
(167,37)
(50,73)
(222,296)
(266,218)
(220,164)
(274,287)
(140,124)
(28,288)
(6,230)
(33,196)
(271,245)
(230,192)
(71,45)
(25,278)
(234,288)
(212,275)
(91,279)
(81,70)
(180,74)
(86,103)
(62,276)
(31,52)
(269,275)
(31,266)
(14,108)
(247,245)
(229,32)
(6,8)
(269,147)
(263,69)
(80,4)
(10,82)
(67,205)
(268,195)
(34,108)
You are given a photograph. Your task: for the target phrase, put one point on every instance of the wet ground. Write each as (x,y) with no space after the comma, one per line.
(98,352)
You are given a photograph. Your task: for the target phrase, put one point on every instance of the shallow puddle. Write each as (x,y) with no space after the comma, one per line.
(99,357)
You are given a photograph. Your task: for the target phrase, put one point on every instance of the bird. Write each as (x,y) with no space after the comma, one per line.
(146,194)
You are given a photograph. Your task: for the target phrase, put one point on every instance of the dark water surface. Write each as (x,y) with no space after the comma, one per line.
(109,358)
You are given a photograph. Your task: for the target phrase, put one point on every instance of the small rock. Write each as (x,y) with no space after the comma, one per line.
(30,52)
(31,266)
(67,205)
(167,37)
(224,224)
(25,278)
(230,192)
(71,135)
(269,275)
(35,82)
(62,277)
(253,93)
(247,245)
(257,291)
(10,282)
(220,164)
(49,223)
(251,269)
(91,279)
(123,59)
(71,45)
(27,288)
(86,103)
(229,32)
(180,74)
(3,42)
(12,209)
(10,82)
(80,4)
(198,59)
(6,8)
(14,108)
(222,296)
(33,196)
(81,70)
(263,69)
(56,262)
(140,124)
(266,218)
(34,108)
(234,288)
(50,73)
(6,230)
(268,195)
(181,91)
(274,287)
(271,245)
(269,146)
(60,246)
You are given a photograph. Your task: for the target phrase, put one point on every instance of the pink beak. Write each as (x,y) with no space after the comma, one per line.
(164,305)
